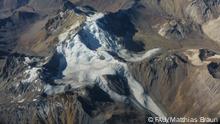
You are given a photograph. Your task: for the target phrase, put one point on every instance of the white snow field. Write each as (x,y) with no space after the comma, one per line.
(86,59)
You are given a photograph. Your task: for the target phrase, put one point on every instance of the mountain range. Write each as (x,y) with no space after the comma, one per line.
(108,61)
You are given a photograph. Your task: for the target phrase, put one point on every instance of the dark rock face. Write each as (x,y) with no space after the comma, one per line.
(214,69)
(205,53)
(120,25)
(53,69)
(91,45)
(96,101)
(119,84)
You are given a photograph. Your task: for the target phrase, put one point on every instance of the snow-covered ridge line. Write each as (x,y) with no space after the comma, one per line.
(84,59)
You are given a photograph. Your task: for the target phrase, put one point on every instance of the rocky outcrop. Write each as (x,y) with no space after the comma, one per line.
(214,70)
(174,30)
(205,53)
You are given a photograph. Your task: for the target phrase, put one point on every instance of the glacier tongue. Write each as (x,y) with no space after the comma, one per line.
(85,59)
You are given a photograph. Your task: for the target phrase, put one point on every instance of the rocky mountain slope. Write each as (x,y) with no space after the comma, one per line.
(108,62)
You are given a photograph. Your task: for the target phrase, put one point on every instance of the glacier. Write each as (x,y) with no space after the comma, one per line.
(86,59)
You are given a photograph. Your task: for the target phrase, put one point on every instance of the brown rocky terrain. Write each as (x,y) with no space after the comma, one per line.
(183,85)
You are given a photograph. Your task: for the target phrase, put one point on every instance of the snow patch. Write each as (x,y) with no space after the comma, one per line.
(27,60)
(21,101)
(139,57)
(32,75)
(95,17)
